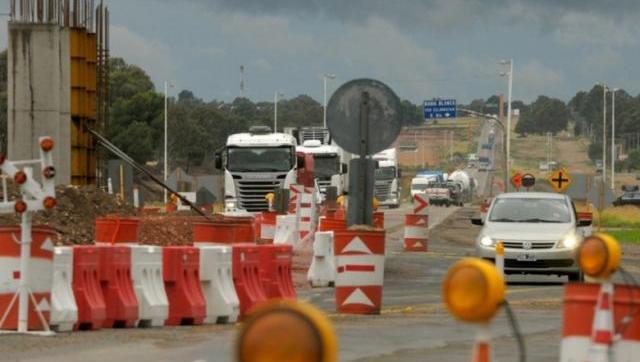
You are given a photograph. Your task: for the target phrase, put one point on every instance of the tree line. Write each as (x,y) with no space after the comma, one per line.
(197,127)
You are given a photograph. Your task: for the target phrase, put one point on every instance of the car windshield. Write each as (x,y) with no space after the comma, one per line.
(259,159)
(419,187)
(539,210)
(325,166)
(385,173)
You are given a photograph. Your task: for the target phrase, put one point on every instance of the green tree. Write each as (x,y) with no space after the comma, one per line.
(137,140)
(544,115)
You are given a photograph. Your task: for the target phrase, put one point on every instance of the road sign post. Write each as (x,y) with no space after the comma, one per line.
(363,117)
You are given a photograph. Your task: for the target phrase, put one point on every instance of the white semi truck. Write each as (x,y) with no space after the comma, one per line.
(254,164)
(387,178)
(330,163)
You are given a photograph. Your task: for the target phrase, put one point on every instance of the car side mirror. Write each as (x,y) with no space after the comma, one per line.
(585,222)
(218,160)
(477,221)
(344,168)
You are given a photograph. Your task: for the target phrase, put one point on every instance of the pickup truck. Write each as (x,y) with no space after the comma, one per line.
(439,194)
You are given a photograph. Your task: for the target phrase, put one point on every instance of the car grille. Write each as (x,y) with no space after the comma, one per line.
(382,191)
(534,245)
(251,194)
(548,263)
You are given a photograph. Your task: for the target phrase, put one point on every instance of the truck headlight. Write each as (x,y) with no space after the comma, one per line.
(231,204)
(570,241)
(486,241)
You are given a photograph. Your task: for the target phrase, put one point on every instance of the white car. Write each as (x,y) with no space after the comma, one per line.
(539,231)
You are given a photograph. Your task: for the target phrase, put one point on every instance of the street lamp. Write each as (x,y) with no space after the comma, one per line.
(613,137)
(276,96)
(324,108)
(509,75)
(166,90)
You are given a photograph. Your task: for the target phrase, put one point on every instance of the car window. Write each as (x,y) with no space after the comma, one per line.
(530,210)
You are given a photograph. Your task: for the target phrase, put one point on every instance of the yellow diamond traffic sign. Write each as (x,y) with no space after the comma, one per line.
(559,180)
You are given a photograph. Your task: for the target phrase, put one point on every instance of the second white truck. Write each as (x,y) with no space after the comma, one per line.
(387,178)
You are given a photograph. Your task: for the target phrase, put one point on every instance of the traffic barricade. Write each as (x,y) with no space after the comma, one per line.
(40,276)
(216,279)
(246,276)
(268,225)
(116,229)
(416,232)
(245,227)
(180,265)
(92,310)
(378,219)
(580,301)
(148,285)
(117,288)
(285,230)
(275,271)
(327,223)
(64,311)
(359,271)
(322,272)
(224,231)
(586,230)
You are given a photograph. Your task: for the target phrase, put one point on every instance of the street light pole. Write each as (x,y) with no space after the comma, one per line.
(613,137)
(508,129)
(324,108)
(275,111)
(166,86)
(604,132)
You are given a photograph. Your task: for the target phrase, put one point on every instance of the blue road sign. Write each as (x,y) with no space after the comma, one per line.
(440,108)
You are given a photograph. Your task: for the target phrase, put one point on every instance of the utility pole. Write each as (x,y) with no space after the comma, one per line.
(242,81)
(275,110)
(604,132)
(613,138)
(166,166)
(509,74)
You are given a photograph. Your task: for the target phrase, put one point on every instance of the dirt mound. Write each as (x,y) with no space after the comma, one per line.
(74,216)
(166,230)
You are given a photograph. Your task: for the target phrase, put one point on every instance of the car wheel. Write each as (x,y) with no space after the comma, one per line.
(576,277)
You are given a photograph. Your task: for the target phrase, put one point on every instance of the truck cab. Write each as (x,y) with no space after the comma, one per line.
(255,164)
(328,170)
(387,178)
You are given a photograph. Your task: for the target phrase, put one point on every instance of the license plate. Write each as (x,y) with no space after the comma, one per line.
(526,257)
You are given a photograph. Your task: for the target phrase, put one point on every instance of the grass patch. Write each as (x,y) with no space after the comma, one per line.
(625,235)
(621,217)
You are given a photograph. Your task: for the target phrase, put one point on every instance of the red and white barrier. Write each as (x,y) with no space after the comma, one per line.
(416,232)
(586,230)
(303,202)
(600,321)
(148,285)
(322,272)
(216,279)
(268,225)
(64,310)
(420,204)
(360,271)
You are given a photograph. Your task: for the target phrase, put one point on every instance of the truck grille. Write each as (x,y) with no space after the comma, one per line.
(319,134)
(251,193)
(323,184)
(534,245)
(382,191)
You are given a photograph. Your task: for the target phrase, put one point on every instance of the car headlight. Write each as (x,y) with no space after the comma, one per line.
(570,241)
(486,241)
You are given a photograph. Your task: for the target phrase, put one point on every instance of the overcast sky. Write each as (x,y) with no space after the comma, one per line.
(421,48)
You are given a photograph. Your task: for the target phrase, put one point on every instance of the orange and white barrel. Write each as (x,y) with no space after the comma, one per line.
(599,321)
(416,232)
(359,271)
(40,281)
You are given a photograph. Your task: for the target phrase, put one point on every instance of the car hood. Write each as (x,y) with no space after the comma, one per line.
(527,231)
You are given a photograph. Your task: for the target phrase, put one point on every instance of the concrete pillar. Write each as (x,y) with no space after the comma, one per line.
(38,94)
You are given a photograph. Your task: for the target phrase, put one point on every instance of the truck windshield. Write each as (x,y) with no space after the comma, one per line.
(530,210)
(419,187)
(326,166)
(259,159)
(385,172)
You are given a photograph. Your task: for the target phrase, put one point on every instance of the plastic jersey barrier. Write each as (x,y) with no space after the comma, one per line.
(64,311)
(216,279)
(322,272)
(148,285)
(117,288)
(246,276)
(416,232)
(275,271)
(40,279)
(285,230)
(181,274)
(117,229)
(92,310)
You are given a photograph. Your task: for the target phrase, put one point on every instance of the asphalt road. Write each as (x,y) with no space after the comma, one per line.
(413,325)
